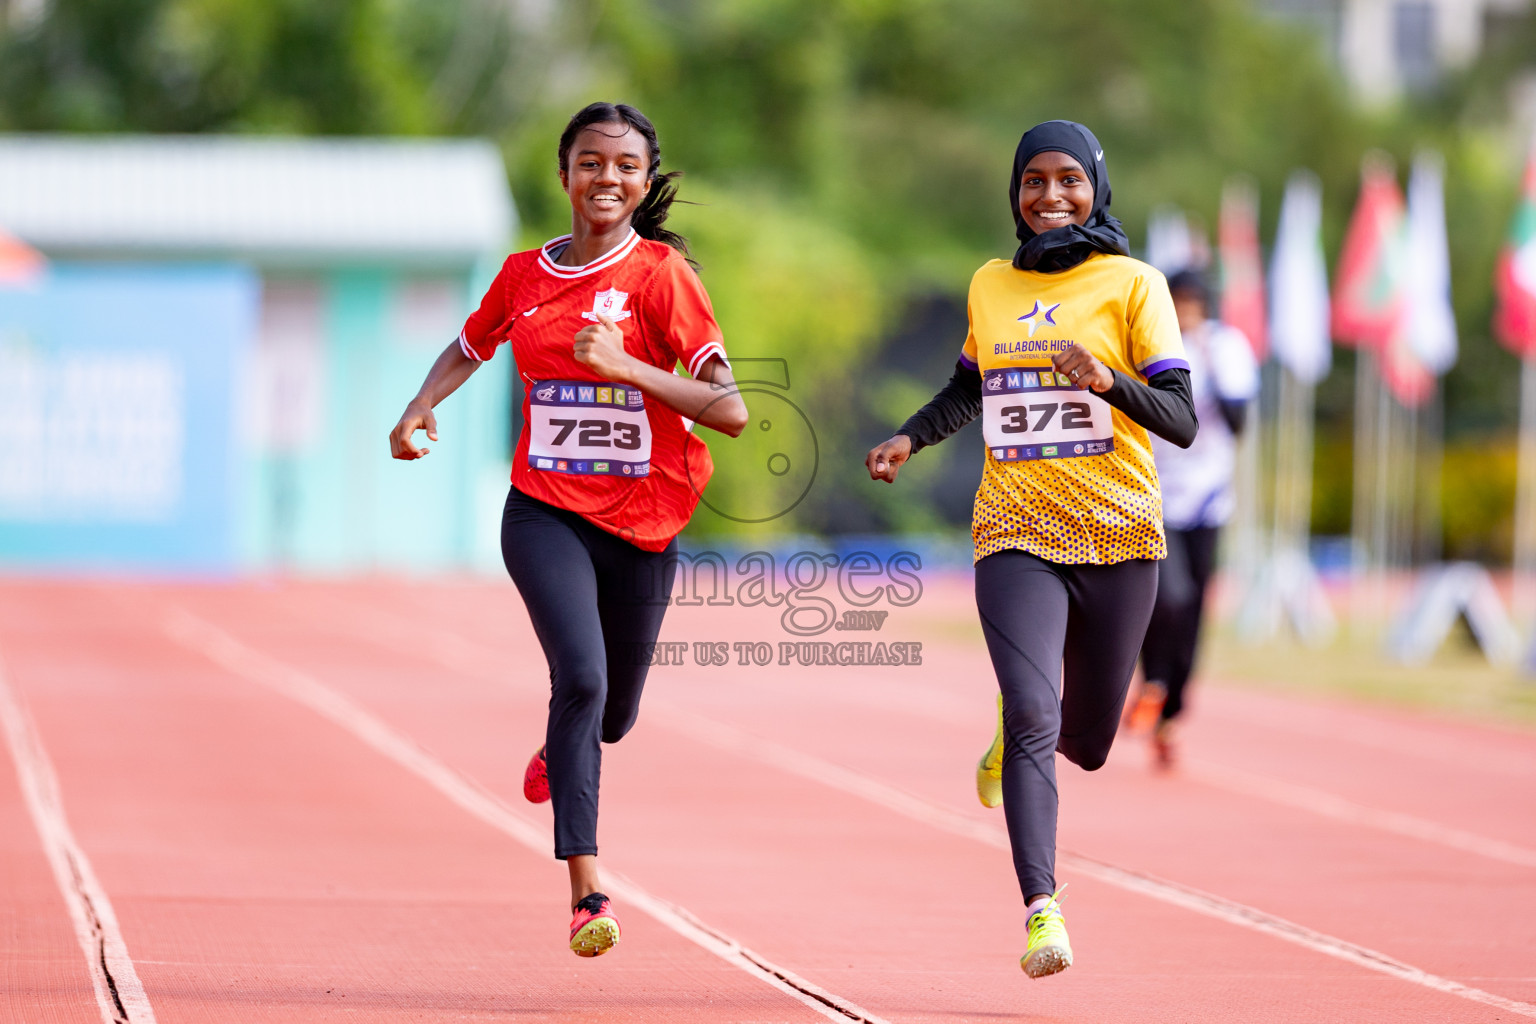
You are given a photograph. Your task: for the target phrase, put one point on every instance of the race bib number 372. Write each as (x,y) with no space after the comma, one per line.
(587,427)
(1040,414)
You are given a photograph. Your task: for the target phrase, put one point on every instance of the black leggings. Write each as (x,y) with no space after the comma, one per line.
(1168,653)
(1044,622)
(596,603)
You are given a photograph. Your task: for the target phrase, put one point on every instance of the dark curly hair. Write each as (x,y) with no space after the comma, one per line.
(652,212)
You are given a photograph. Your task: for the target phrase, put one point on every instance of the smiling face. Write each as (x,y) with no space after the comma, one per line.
(1054,191)
(606,174)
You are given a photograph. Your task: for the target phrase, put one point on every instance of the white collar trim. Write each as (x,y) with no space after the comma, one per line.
(608,259)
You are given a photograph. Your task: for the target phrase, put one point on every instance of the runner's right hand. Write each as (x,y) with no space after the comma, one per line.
(884,460)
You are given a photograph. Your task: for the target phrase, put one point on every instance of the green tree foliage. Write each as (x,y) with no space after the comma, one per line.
(851,156)
(786,287)
(338,67)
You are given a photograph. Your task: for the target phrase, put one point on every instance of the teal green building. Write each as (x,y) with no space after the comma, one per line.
(363,259)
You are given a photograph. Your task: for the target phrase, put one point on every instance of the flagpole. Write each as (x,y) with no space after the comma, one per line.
(1259,607)
(1247,534)
(1293,455)
(1432,528)
(1362,520)
(1525,503)
(1280,507)
(1300,334)
(1381,495)
(1243,307)
(1406,505)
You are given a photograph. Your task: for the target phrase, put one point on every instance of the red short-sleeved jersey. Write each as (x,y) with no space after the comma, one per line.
(623,461)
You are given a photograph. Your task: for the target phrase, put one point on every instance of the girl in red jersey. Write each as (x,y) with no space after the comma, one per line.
(607,469)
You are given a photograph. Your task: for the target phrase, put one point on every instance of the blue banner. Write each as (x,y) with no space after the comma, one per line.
(122,452)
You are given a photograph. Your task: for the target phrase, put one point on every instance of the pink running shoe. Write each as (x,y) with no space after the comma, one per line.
(536,779)
(595,928)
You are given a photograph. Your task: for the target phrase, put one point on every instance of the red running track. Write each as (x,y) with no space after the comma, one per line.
(301,802)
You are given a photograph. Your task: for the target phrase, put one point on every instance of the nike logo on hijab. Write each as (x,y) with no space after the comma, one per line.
(1065,247)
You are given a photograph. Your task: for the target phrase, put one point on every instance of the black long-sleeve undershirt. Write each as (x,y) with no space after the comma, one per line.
(1163,405)
(956,404)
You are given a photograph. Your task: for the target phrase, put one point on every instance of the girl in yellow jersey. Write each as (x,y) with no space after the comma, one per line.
(1073,355)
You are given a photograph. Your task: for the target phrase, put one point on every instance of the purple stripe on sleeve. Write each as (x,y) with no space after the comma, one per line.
(1160,365)
(967,362)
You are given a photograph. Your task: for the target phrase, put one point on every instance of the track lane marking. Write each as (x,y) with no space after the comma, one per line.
(796,762)
(1328,805)
(459,654)
(250,664)
(119,994)
(452,652)
(1379,730)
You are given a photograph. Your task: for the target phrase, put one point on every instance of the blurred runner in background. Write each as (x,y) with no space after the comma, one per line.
(1197,501)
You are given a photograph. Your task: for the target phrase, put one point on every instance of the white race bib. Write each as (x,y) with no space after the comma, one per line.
(1041,414)
(588,427)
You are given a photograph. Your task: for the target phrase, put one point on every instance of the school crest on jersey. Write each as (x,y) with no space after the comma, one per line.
(609,303)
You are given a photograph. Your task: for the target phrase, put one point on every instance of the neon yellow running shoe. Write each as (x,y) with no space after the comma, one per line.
(1049,949)
(989,770)
(594,926)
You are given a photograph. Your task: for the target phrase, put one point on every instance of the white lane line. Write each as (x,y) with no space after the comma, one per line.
(1327,805)
(454,653)
(1345,726)
(732,740)
(119,995)
(250,664)
(464,655)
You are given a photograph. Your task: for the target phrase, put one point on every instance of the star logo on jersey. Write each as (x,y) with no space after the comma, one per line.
(1040,314)
(610,304)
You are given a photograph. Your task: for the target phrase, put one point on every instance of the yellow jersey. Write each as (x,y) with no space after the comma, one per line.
(1068,478)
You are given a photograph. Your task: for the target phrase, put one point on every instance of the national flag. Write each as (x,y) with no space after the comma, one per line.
(1242,270)
(1429,329)
(1171,245)
(1410,381)
(1371,293)
(1514,319)
(1369,289)
(20,264)
(1299,312)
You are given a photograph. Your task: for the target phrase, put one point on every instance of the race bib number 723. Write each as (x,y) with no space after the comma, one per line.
(1041,414)
(588,427)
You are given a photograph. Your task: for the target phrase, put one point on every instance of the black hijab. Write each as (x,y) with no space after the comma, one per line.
(1064,248)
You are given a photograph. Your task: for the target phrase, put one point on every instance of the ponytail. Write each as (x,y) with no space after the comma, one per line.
(651,214)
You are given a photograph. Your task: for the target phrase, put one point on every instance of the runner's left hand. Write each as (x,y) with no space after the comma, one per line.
(600,346)
(1086,371)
